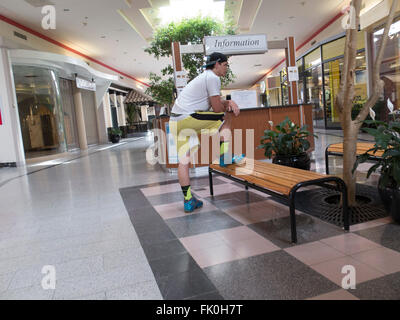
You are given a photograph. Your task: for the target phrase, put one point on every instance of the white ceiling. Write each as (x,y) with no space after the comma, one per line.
(122,47)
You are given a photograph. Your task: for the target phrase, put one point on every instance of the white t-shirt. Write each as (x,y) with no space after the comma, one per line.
(194,97)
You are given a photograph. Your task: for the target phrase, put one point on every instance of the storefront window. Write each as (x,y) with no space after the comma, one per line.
(335,48)
(40,112)
(314,94)
(389,70)
(273,91)
(312,59)
(284,87)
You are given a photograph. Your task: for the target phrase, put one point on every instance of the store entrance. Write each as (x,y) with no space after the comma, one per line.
(40,113)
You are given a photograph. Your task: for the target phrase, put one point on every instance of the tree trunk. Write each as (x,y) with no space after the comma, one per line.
(349,158)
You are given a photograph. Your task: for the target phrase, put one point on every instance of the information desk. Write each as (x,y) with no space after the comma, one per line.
(254,118)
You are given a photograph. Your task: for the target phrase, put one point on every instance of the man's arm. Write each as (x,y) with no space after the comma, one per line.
(220,105)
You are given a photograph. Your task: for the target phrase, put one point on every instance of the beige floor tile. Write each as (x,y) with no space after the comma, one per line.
(215,255)
(382,259)
(340,294)
(370,224)
(253,246)
(151,191)
(236,234)
(332,270)
(314,252)
(201,241)
(220,189)
(257,211)
(350,243)
(175,209)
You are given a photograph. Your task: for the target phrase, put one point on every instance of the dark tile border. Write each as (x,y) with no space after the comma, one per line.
(177,274)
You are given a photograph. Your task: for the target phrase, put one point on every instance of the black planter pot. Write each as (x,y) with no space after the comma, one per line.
(301,161)
(391,199)
(115,138)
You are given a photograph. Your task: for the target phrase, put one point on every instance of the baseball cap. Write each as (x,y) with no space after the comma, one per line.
(215,57)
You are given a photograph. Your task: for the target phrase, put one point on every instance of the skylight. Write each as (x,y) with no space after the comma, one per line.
(179,9)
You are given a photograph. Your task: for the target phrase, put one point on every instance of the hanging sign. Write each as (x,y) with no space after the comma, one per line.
(293,74)
(84,84)
(237,44)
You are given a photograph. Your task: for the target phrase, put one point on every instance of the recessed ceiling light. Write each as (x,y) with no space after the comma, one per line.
(291,17)
(103,37)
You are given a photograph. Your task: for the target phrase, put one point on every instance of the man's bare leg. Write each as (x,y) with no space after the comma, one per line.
(183,170)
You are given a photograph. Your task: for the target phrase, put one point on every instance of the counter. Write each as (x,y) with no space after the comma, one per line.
(252,118)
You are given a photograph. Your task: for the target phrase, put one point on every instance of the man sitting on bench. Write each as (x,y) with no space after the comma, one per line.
(190,111)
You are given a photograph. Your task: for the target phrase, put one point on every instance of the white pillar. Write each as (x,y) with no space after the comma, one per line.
(114,98)
(11,145)
(123,115)
(101,127)
(80,119)
(107,110)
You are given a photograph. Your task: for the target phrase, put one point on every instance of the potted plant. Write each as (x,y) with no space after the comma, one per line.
(387,139)
(287,144)
(115,135)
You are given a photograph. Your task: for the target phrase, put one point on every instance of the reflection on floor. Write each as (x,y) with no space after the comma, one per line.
(238,247)
(113,226)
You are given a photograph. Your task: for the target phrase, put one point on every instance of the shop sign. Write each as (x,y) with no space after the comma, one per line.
(237,44)
(293,74)
(84,84)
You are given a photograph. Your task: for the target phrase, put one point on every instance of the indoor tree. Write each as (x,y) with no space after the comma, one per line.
(187,31)
(346,93)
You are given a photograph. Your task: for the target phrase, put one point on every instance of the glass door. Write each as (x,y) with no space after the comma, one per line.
(40,112)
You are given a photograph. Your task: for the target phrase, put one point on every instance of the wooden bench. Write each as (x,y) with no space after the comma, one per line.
(336,149)
(282,182)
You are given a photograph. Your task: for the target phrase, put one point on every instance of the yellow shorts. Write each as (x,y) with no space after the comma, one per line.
(186,126)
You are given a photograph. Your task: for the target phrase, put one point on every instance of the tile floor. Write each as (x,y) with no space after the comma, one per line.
(113,227)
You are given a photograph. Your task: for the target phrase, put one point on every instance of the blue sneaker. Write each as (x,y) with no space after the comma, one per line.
(239,160)
(193,203)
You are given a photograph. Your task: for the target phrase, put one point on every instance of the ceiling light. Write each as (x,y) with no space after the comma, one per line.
(179,9)
(103,37)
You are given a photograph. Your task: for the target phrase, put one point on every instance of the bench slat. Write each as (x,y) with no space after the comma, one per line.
(295,175)
(362,147)
(231,170)
(271,176)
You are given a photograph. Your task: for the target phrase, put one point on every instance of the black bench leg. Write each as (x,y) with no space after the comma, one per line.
(247,187)
(211,181)
(293,217)
(326,161)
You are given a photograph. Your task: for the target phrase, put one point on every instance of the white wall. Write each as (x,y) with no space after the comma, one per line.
(11,147)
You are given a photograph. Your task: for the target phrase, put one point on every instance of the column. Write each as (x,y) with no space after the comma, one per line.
(114,95)
(11,145)
(290,52)
(123,116)
(80,119)
(107,110)
(101,127)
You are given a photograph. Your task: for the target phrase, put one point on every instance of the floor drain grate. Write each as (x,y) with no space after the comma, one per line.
(319,203)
